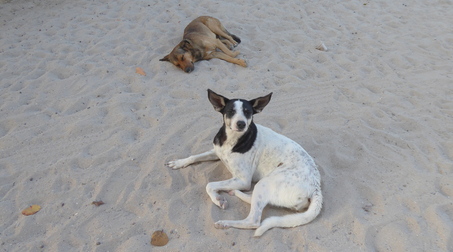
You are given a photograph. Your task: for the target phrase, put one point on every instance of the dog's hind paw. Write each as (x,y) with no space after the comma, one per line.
(237,39)
(223,203)
(221,225)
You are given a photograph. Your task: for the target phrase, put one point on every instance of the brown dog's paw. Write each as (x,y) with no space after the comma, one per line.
(242,63)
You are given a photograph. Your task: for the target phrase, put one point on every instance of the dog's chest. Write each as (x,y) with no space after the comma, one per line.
(234,160)
(259,160)
(270,151)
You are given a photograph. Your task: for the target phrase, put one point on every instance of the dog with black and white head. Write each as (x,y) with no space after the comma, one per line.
(285,174)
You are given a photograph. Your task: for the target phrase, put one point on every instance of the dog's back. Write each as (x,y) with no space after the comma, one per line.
(274,150)
(291,174)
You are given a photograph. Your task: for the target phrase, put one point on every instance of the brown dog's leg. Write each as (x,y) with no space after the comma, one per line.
(223,56)
(227,43)
(216,27)
(225,49)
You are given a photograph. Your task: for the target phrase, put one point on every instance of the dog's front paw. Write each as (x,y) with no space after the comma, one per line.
(176,164)
(222,202)
(221,225)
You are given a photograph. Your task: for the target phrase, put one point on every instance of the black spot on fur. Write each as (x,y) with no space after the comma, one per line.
(229,109)
(246,141)
(247,109)
(220,137)
(236,38)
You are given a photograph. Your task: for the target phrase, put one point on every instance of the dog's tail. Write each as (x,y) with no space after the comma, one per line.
(293,220)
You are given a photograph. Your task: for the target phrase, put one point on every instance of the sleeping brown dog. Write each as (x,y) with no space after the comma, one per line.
(202,37)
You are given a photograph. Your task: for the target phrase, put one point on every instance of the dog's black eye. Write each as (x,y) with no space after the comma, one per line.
(247,112)
(230,113)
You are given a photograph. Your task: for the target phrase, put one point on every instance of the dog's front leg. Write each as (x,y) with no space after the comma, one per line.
(182,163)
(214,188)
(223,56)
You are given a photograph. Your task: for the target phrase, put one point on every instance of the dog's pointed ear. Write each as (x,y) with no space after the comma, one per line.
(165,58)
(217,101)
(260,102)
(185,44)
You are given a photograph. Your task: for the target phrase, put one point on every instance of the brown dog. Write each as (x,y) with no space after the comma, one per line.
(201,39)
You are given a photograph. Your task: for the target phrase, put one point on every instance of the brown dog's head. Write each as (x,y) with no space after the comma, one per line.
(181,56)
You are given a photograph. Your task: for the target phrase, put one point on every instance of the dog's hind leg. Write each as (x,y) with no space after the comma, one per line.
(222,32)
(225,49)
(259,200)
(227,43)
(223,56)
(247,198)
(216,27)
(213,189)
(181,163)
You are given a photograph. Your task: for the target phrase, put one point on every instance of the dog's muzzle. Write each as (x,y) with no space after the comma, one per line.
(188,69)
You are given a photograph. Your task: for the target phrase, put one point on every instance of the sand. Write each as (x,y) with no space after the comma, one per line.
(78,125)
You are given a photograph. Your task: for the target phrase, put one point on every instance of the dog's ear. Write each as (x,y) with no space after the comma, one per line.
(260,102)
(165,58)
(217,101)
(186,45)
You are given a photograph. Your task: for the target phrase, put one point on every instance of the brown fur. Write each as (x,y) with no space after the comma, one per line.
(202,37)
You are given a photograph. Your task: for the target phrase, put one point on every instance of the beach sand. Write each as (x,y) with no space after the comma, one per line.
(78,124)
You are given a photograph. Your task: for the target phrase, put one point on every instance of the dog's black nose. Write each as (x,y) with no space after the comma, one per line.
(241,125)
(188,69)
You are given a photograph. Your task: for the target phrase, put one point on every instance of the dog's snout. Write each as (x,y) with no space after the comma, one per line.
(188,69)
(241,125)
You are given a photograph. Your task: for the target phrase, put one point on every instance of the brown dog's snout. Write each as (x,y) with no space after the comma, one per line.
(188,69)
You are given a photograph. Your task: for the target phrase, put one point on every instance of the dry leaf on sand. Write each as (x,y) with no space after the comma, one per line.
(31,210)
(98,203)
(159,238)
(139,70)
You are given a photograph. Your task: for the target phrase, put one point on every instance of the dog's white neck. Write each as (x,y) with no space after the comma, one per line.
(232,135)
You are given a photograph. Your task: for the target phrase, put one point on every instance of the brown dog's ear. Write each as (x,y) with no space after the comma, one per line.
(260,102)
(217,101)
(186,45)
(165,58)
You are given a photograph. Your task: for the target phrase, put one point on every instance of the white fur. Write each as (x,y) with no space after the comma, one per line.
(286,176)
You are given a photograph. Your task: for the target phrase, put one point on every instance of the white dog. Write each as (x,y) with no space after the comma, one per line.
(287,176)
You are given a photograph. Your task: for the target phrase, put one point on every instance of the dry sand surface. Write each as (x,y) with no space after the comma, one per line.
(78,125)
